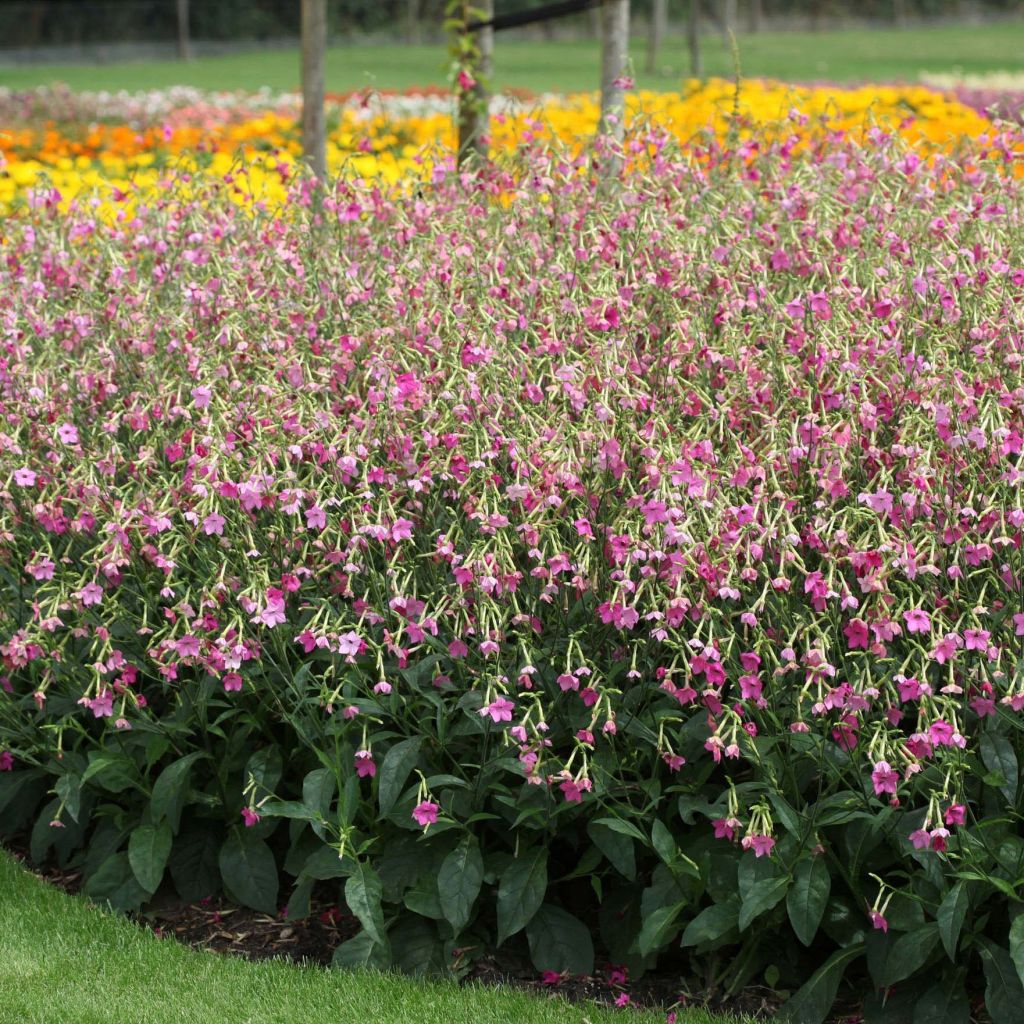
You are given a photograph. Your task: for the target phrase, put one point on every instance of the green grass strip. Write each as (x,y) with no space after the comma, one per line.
(63,961)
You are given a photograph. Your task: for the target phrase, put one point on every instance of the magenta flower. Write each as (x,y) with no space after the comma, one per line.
(249,816)
(761,845)
(956,814)
(917,621)
(364,764)
(90,594)
(24,477)
(726,828)
(976,639)
(878,921)
(425,813)
(920,839)
(884,779)
(68,433)
(6,761)
(316,518)
(213,524)
(500,709)
(232,682)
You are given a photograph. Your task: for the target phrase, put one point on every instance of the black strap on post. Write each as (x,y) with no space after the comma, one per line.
(530,17)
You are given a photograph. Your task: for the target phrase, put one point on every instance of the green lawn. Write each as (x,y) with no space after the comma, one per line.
(64,962)
(848,55)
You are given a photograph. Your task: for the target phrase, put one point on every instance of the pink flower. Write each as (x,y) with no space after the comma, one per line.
(249,816)
(90,594)
(466,80)
(725,828)
(68,433)
(551,978)
(761,845)
(920,838)
(425,813)
(573,791)
(976,639)
(878,921)
(24,477)
(316,518)
(201,396)
(750,687)
(188,646)
(402,530)
(214,524)
(917,621)
(6,761)
(674,761)
(884,779)
(42,569)
(232,681)
(364,764)
(622,999)
(938,839)
(956,814)
(1018,624)
(499,709)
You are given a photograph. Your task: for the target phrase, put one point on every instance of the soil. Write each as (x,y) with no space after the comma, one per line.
(224,927)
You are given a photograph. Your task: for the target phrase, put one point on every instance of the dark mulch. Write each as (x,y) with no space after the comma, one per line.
(223,927)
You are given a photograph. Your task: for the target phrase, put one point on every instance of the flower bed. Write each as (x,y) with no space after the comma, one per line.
(622,572)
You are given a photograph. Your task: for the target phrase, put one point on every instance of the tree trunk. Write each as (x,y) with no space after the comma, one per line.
(693,39)
(184,51)
(614,51)
(656,32)
(728,21)
(412,21)
(474,115)
(756,15)
(314,46)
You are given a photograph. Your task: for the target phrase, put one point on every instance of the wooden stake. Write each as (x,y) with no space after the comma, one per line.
(659,19)
(693,38)
(314,45)
(474,117)
(184,52)
(614,51)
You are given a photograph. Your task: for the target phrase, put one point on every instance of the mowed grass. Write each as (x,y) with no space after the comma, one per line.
(63,961)
(849,55)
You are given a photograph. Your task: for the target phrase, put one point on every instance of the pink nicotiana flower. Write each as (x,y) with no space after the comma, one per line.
(24,477)
(884,778)
(68,433)
(917,621)
(249,816)
(425,813)
(364,764)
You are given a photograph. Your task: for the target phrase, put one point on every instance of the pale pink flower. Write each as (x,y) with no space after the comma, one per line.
(425,813)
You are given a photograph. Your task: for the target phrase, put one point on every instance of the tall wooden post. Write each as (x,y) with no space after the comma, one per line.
(474,100)
(184,52)
(614,52)
(314,46)
(693,39)
(728,21)
(656,32)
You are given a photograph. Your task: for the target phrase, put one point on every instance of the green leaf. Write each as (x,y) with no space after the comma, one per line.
(265,767)
(943,1004)
(170,791)
(1017,945)
(363,953)
(113,772)
(317,793)
(69,790)
(416,948)
(712,923)
(291,809)
(623,827)
(559,942)
(248,870)
(521,892)
(616,844)
(812,1002)
(193,862)
(1004,994)
(950,916)
(664,845)
(459,881)
(658,928)
(114,883)
(324,863)
(998,757)
(907,954)
(761,899)
(363,894)
(808,897)
(394,770)
(149,846)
